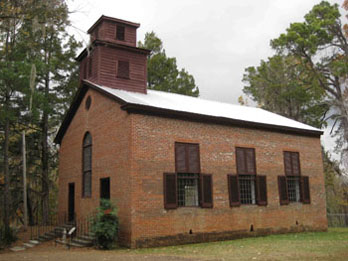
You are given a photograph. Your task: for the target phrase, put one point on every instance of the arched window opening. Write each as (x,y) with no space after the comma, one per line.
(87,166)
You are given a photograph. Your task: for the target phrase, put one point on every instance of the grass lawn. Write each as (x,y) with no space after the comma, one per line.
(332,245)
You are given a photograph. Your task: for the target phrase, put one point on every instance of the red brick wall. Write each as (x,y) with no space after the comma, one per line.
(110,130)
(153,154)
(135,150)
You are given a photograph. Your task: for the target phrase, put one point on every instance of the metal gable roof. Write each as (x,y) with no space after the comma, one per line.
(192,108)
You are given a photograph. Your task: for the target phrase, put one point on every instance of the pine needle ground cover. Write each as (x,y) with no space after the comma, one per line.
(331,245)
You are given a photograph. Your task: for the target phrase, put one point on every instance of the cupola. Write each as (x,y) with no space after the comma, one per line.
(112,59)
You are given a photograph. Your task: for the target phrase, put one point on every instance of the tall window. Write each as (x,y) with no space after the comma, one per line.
(246,187)
(187,187)
(87,166)
(293,187)
(187,165)
(246,170)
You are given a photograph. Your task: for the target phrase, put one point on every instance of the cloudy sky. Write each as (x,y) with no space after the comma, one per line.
(213,40)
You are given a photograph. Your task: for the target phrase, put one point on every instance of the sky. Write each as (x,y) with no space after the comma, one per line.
(213,40)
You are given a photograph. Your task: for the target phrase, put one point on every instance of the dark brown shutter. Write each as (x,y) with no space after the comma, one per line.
(283,190)
(170,191)
(261,186)
(123,69)
(305,191)
(206,190)
(295,162)
(233,190)
(180,157)
(193,158)
(120,32)
(240,160)
(250,161)
(287,163)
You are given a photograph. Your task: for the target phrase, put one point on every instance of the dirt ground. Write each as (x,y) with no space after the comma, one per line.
(48,251)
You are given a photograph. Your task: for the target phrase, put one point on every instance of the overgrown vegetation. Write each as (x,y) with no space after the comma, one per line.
(105,225)
(37,81)
(307,80)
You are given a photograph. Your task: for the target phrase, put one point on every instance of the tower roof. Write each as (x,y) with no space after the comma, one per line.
(112,19)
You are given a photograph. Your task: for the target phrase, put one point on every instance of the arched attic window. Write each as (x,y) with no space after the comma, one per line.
(87,166)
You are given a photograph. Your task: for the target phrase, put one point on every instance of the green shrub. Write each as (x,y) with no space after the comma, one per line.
(105,225)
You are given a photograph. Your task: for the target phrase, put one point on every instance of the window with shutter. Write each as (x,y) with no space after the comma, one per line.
(291,163)
(305,191)
(207,191)
(261,186)
(240,160)
(283,190)
(297,187)
(180,157)
(123,69)
(187,166)
(120,32)
(246,175)
(193,158)
(245,159)
(188,185)
(233,190)
(87,166)
(247,189)
(287,163)
(293,183)
(187,159)
(170,190)
(295,162)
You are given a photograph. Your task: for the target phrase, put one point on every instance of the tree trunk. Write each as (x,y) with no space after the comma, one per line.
(7,180)
(30,210)
(7,195)
(44,162)
(45,150)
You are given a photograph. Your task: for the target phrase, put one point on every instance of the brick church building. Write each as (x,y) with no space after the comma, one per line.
(181,169)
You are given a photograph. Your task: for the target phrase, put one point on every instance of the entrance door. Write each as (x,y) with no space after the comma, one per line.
(71,202)
(105,188)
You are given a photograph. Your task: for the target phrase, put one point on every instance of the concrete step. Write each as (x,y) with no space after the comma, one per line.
(17,248)
(28,245)
(82,242)
(87,237)
(44,238)
(51,234)
(34,242)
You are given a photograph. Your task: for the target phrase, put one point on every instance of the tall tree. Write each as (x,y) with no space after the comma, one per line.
(322,46)
(46,43)
(11,62)
(162,71)
(283,86)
